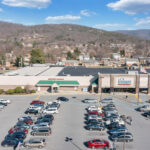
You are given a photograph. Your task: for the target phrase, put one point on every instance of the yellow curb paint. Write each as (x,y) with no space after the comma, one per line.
(139,99)
(38,97)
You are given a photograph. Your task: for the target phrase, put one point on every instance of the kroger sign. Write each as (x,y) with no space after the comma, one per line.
(122,81)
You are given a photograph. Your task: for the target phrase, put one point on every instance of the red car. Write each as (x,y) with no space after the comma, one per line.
(97,143)
(96,113)
(28,121)
(12,130)
(37,102)
(100,114)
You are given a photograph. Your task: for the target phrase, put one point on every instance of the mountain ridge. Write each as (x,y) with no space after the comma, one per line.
(141,33)
(57,39)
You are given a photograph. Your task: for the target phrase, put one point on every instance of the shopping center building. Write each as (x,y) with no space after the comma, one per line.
(74,79)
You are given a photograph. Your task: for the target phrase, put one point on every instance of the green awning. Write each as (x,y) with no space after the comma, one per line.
(95,82)
(62,82)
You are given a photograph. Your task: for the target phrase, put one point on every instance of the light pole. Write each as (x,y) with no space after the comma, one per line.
(101,88)
(124,118)
(68,139)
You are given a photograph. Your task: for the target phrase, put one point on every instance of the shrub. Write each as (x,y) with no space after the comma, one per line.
(33,91)
(10,91)
(1,91)
(19,90)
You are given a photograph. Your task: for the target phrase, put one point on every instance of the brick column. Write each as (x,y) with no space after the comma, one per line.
(148,83)
(99,83)
(92,88)
(111,83)
(137,84)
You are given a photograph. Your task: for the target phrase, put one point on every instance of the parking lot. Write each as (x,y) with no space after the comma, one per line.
(70,123)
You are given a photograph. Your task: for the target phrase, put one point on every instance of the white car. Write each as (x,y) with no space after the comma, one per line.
(95,109)
(144,108)
(50,111)
(91,107)
(88,100)
(5,101)
(1,106)
(51,102)
(41,125)
(35,107)
(120,121)
(94,117)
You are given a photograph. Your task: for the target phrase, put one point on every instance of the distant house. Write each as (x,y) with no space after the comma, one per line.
(144,61)
(105,61)
(27,59)
(70,63)
(128,53)
(84,57)
(116,56)
(90,63)
(132,61)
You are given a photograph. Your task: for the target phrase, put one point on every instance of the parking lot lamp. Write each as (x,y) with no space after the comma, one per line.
(124,118)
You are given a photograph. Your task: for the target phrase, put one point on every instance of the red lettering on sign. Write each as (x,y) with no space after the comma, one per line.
(55,79)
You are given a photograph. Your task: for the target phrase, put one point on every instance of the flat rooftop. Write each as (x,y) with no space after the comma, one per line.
(67,71)
(83,71)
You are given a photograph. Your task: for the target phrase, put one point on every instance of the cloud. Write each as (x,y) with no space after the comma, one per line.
(27,3)
(62,18)
(99,26)
(1,10)
(143,22)
(131,6)
(87,13)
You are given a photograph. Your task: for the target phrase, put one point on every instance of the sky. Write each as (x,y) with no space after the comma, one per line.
(108,15)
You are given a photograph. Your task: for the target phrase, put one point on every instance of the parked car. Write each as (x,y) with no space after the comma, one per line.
(107,100)
(2,103)
(98,127)
(46,116)
(41,125)
(96,113)
(94,117)
(146,114)
(20,135)
(5,101)
(47,120)
(94,107)
(35,143)
(44,131)
(122,137)
(50,111)
(36,107)
(88,100)
(55,101)
(117,120)
(31,111)
(97,143)
(90,121)
(25,117)
(144,108)
(37,102)
(21,129)
(1,106)
(111,117)
(114,125)
(22,124)
(64,99)
(9,142)
(117,131)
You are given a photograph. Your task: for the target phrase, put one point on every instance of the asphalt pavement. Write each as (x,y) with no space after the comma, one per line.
(70,123)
